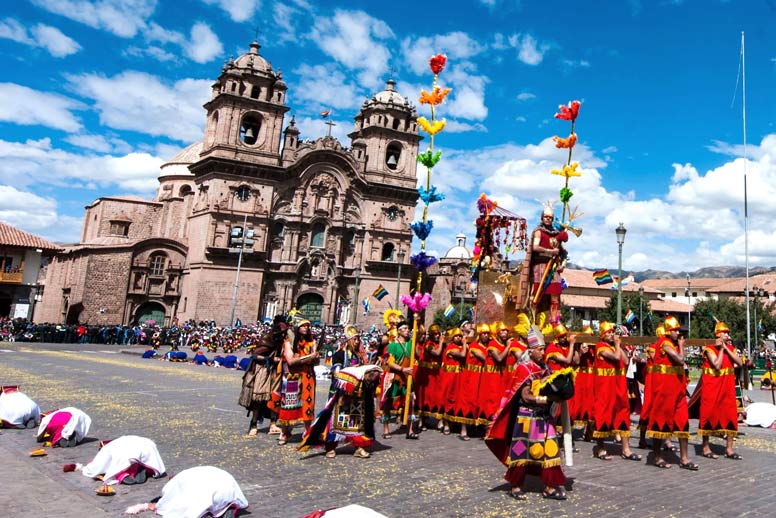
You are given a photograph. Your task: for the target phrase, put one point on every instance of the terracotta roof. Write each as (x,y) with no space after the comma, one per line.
(668,306)
(585,301)
(681,282)
(764,281)
(12,236)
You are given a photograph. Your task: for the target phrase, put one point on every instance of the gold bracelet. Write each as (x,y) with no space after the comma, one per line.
(541,400)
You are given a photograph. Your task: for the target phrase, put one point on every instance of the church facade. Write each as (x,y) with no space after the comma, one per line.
(313,225)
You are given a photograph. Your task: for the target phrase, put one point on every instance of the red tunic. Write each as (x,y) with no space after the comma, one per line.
(449,382)
(581,405)
(469,394)
(611,409)
(668,407)
(647,402)
(492,381)
(552,353)
(718,414)
(427,381)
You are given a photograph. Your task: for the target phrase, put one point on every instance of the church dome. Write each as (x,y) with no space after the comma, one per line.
(179,164)
(459,251)
(390,95)
(253,62)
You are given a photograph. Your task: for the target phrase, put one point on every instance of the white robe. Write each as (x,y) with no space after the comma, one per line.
(16,408)
(353,511)
(121,453)
(196,491)
(760,414)
(78,424)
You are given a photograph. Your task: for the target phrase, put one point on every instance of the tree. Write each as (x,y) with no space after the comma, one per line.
(733,314)
(630,301)
(462,312)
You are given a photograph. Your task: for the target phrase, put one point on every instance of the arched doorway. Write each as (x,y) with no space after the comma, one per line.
(74,314)
(5,305)
(310,306)
(150,311)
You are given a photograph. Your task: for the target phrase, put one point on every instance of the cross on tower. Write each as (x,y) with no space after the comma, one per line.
(329,123)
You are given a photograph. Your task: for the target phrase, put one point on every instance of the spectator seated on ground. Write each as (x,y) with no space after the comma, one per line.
(228,362)
(17,410)
(760,414)
(176,356)
(65,427)
(200,359)
(127,460)
(149,353)
(200,491)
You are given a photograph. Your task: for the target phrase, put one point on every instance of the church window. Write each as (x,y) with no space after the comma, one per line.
(185,191)
(387,252)
(157,264)
(396,124)
(392,155)
(277,229)
(249,129)
(319,231)
(119,228)
(255,91)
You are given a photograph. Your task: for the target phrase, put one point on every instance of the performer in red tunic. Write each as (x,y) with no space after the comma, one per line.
(647,402)
(427,375)
(668,408)
(503,339)
(470,379)
(718,413)
(581,405)
(492,384)
(517,348)
(611,409)
(453,365)
(546,249)
(561,353)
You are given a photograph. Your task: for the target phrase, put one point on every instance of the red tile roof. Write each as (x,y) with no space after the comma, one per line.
(12,236)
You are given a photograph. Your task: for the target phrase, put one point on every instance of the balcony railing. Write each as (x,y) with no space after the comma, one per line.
(14,277)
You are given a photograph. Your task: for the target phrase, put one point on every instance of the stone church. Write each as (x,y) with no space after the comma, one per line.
(313,225)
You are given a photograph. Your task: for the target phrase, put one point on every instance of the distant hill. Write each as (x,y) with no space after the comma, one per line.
(710,272)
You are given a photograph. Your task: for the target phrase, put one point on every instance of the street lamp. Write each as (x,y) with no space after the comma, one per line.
(620,231)
(641,303)
(400,257)
(243,193)
(689,308)
(354,314)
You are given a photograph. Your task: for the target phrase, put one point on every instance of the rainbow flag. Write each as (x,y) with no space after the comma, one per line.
(380,292)
(366,305)
(449,311)
(629,317)
(602,277)
(628,279)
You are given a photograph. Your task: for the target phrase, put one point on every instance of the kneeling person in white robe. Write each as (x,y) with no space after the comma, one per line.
(65,427)
(126,460)
(195,492)
(17,410)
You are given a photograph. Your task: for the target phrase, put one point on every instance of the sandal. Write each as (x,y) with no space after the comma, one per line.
(412,435)
(690,466)
(734,456)
(632,456)
(601,454)
(387,436)
(464,437)
(282,440)
(662,464)
(446,431)
(670,448)
(517,495)
(556,494)
(710,455)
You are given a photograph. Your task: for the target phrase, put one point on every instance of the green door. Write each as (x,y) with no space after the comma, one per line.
(150,311)
(310,307)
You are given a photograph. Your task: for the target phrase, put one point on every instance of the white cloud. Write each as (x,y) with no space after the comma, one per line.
(454,126)
(520,118)
(23,164)
(457,46)
(578,63)
(239,10)
(312,128)
(529,50)
(123,18)
(609,149)
(321,87)
(26,107)
(141,102)
(286,16)
(204,45)
(40,35)
(201,46)
(151,51)
(99,143)
(37,214)
(525,96)
(354,39)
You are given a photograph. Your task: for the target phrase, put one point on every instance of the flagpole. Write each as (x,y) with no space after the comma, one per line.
(746,207)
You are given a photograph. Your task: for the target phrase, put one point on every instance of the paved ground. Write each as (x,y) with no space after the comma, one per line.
(192,415)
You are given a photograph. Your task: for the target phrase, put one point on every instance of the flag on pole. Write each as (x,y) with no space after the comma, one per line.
(449,311)
(380,292)
(628,279)
(602,277)
(366,305)
(326,113)
(615,282)
(629,317)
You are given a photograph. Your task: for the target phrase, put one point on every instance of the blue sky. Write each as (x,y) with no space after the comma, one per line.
(97,94)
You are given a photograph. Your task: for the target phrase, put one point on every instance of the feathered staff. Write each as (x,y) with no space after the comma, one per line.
(419,301)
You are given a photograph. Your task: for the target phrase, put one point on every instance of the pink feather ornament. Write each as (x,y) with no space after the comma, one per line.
(418,302)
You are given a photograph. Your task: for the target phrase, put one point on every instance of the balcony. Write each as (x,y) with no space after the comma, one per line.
(12,277)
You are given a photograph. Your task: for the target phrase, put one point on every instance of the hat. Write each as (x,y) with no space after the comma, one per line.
(604,328)
(391,315)
(560,330)
(499,326)
(351,332)
(403,323)
(671,324)
(302,322)
(8,389)
(434,329)
(587,330)
(463,323)
(660,331)
(534,338)
(548,210)
(456,331)
(483,328)
(720,328)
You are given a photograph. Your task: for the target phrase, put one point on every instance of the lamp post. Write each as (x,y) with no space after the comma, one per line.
(689,308)
(641,304)
(756,294)
(354,314)
(243,193)
(620,231)
(400,257)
